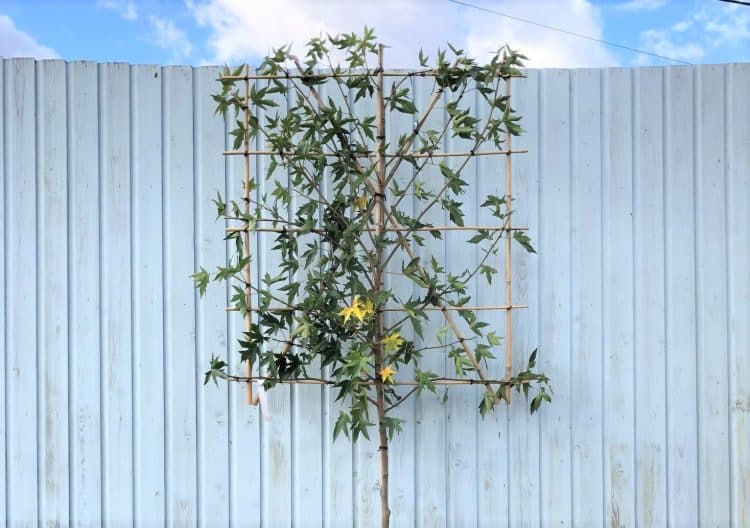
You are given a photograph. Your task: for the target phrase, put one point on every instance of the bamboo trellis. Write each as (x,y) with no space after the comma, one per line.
(380,225)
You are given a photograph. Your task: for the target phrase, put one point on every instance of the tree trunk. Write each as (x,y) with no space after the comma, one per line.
(385,512)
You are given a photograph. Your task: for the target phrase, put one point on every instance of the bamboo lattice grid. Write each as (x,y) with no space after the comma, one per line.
(246,229)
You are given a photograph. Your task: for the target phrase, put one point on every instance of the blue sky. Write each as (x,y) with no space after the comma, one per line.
(234,31)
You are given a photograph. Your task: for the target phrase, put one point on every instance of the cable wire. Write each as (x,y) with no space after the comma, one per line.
(571,33)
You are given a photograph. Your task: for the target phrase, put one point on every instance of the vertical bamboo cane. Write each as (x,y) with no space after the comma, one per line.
(508,246)
(246,272)
(379,211)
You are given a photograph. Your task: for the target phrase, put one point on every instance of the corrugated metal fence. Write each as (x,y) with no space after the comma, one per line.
(637,192)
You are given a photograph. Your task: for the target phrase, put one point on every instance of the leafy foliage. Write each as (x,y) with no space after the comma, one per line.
(320,194)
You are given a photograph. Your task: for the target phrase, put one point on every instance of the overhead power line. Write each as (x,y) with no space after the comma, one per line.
(736,2)
(571,33)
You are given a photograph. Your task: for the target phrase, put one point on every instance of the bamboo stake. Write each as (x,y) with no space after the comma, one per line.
(400,309)
(379,210)
(373,154)
(370,229)
(334,75)
(508,247)
(251,399)
(374,382)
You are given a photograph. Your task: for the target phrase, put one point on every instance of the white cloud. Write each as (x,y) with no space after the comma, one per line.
(640,5)
(703,31)
(126,9)
(16,43)
(169,37)
(727,26)
(680,27)
(242,30)
(660,42)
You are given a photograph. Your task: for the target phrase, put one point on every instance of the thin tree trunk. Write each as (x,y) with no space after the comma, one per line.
(385,512)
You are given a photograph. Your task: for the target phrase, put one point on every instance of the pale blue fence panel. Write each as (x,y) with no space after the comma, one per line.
(21,295)
(53,297)
(305,429)
(245,461)
(3,343)
(181,375)
(402,490)
(148,295)
(617,311)
(711,296)
(116,293)
(586,295)
(679,258)
(277,478)
(431,447)
(514,447)
(84,310)
(635,189)
(738,286)
(462,418)
(649,300)
(555,296)
(213,403)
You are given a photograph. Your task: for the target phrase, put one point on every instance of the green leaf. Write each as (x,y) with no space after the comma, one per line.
(441,335)
(425,381)
(454,211)
(221,206)
(477,326)
(483,234)
(532,359)
(436,267)
(404,106)
(488,272)
(541,397)
(393,426)
(342,425)
(201,279)
(417,326)
(535,403)
(446,171)
(524,240)
(487,403)
(216,370)
(483,353)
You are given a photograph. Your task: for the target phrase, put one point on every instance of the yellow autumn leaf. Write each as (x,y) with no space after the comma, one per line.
(387,373)
(358,310)
(368,308)
(393,341)
(347,312)
(361,203)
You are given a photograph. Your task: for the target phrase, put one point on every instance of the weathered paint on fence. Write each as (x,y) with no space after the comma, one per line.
(637,191)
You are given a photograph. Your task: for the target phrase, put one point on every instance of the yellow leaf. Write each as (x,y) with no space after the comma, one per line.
(387,373)
(361,203)
(368,308)
(358,309)
(348,312)
(393,341)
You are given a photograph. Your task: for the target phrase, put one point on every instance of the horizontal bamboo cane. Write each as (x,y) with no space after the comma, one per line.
(394,229)
(369,229)
(369,154)
(406,383)
(367,73)
(399,309)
